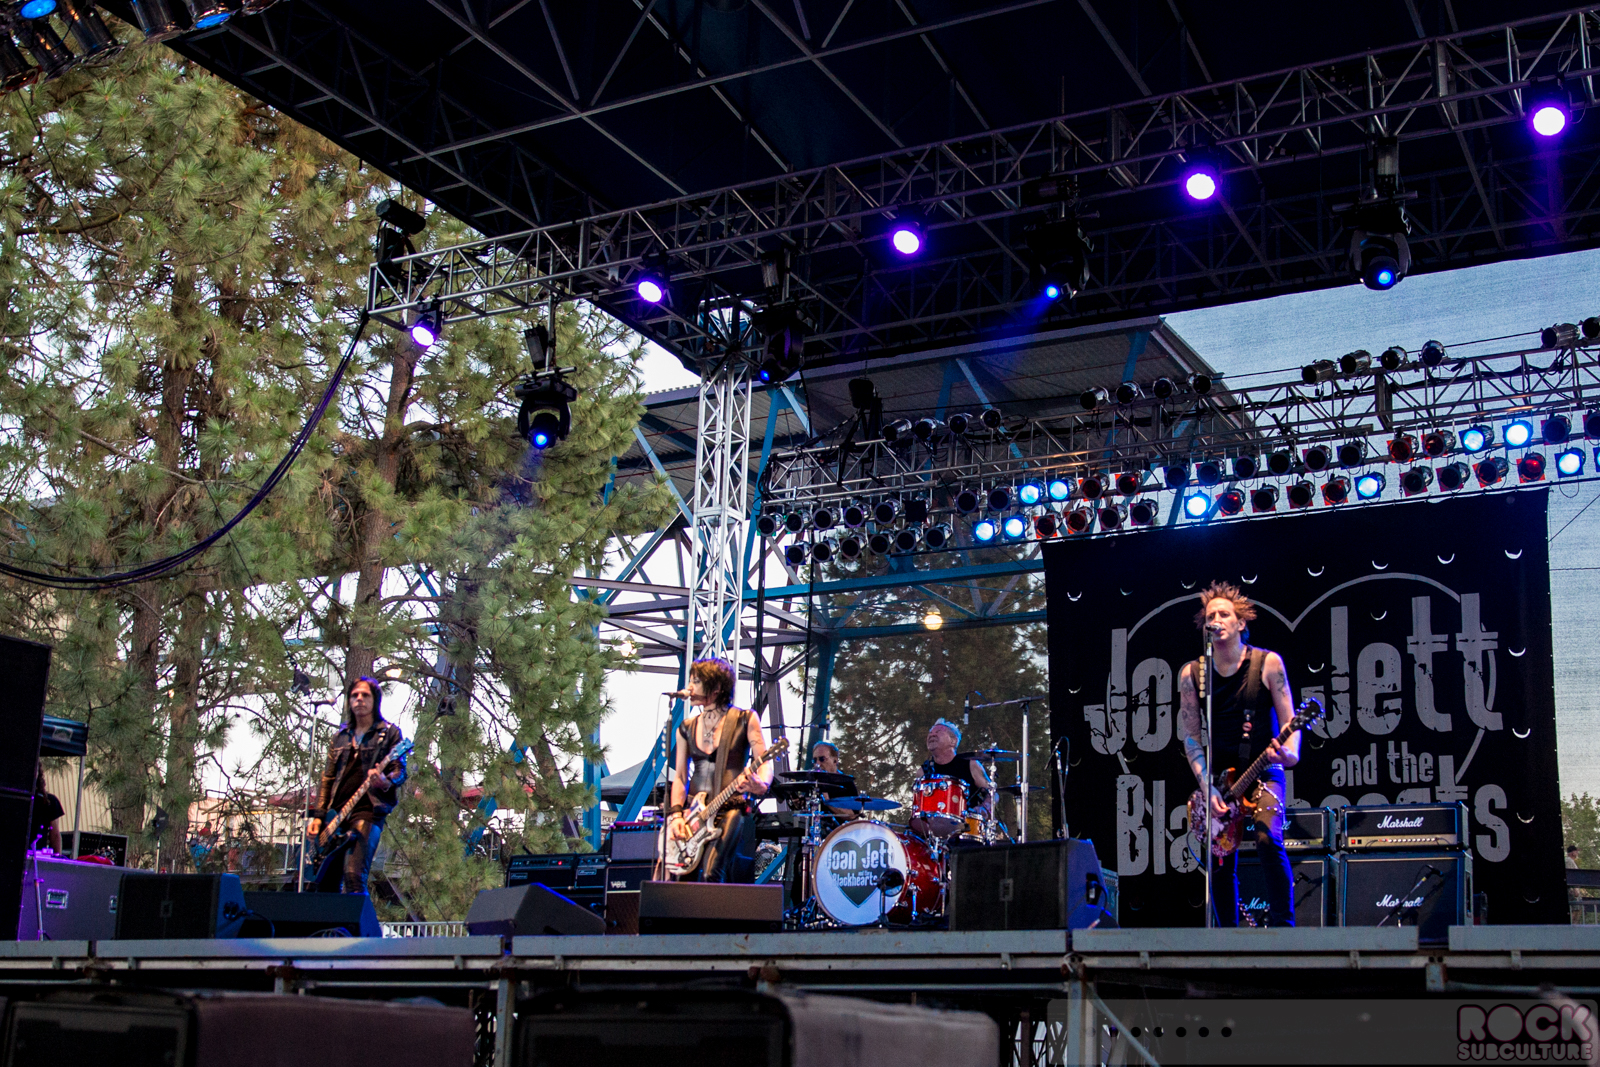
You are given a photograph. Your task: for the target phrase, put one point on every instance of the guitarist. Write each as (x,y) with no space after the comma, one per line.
(1249,705)
(352,758)
(713,748)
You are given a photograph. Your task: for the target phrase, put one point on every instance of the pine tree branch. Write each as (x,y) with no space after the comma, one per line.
(82,227)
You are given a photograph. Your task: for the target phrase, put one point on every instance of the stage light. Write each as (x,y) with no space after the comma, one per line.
(855,516)
(966,502)
(879,543)
(1057,255)
(1093,398)
(1245,467)
(1392,358)
(1231,502)
(1416,480)
(1569,464)
(960,423)
(1476,438)
(544,416)
(1591,424)
(1402,448)
(821,551)
(1176,476)
(1561,335)
(1197,505)
(984,531)
(1530,468)
(429,325)
(1129,482)
(886,511)
(1047,525)
(1518,433)
(1015,527)
(897,432)
(933,620)
(1052,291)
(907,238)
(208,14)
(926,429)
(794,522)
(1301,494)
(1336,490)
(1264,499)
(999,498)
(1318,371)
(1491,471)
(796,554)
(823,519)
(1432,354)
(1111,516)
(1208,472)
(1352,453)
(1079,520)
(15,71)
(1143,512)
(1453,476)
(1200,382)
(850,547)
(992,419)
(1200,178)
(1381,259)
(155,19)
(37,9)
(1369,486)
(1555,430)
(917,509)
(906,538)
(1355,362)
(1059,489)
(1590,327)
(1030,494)
(652,288)
(936,536)
(1548,117)
(1161,388)
(1318,457)
(1091,487)
(1280,463)
(767,524)
(1438,443)
(1128,392)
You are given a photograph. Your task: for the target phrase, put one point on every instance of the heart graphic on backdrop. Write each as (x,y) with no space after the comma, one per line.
(855,869)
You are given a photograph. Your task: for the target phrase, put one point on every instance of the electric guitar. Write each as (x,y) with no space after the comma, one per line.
(684,856)
(330,839)
(1227,829)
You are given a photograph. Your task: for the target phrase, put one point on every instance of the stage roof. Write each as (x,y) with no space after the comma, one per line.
(713,132)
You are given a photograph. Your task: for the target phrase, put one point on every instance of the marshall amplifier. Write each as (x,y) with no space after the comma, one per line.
(1313,890)
(1429,890)
(1404,826)
(1308,830)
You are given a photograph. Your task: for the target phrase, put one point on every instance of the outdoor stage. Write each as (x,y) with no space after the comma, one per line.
(1025,979)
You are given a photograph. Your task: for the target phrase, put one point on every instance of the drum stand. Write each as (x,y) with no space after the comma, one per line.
(807,914)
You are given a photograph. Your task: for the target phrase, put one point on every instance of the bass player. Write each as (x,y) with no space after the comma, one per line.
(356,755)
(713,748)
(1249,704)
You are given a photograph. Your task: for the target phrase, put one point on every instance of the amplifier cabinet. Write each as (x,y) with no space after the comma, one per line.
(1429,890)
(1307,830)
(556,870)
(634,841)
(1313,890)
(1377,827)
(79,899)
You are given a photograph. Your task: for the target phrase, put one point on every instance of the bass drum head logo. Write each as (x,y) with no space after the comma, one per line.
(849,865)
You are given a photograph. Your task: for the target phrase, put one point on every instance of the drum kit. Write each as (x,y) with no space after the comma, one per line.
(856,869)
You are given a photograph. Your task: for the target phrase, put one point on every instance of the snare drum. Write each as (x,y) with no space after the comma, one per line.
(942,803)
(851,864)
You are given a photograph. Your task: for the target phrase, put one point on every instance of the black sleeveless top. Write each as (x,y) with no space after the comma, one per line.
(1243,720)
(703,764)
(959,768)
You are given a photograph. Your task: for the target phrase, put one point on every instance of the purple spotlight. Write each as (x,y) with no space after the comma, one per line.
(1200,181)
(1549,119)
(650,289)
(422,333)
(906,238)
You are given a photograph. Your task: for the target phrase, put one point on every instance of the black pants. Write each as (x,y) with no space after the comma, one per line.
(720,863)
(346,869)
(1270,818)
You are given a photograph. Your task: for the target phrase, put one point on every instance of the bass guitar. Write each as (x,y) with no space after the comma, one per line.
(330,840)
(1226,830)
(684,856)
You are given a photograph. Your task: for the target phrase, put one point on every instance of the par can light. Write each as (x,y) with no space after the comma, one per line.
(1569,464)
(1453,476)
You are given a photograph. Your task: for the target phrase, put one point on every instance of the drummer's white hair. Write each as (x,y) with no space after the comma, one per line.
(955,731)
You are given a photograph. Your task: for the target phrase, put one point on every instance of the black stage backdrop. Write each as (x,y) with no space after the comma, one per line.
(1424,629)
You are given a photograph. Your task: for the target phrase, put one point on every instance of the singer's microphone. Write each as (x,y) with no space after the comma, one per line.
(680,694)
(1214,628)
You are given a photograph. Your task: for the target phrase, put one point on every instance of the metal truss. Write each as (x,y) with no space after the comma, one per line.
(1479,194)
(721,517)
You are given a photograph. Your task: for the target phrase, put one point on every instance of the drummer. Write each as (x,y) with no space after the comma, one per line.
(944,738)
(825,757)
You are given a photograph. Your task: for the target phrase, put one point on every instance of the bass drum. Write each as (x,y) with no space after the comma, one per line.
(851,863)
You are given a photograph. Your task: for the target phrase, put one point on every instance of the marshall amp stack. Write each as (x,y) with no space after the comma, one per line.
(1406,865)
(1404,826)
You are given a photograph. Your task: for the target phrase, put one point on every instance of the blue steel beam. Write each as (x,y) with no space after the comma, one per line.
(655,461)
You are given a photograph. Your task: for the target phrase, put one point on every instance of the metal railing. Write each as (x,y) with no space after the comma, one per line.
(438,929)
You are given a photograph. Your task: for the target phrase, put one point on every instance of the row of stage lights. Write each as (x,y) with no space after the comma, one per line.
(1039,510)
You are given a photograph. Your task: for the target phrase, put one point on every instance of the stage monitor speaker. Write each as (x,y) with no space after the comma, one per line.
(530,910)
(1043,885)
(79,900)
(91,1027)
(25,666)
(709,908)
(1313,890)
(309,915)
(158,906)
(1429,890)
(736,1028)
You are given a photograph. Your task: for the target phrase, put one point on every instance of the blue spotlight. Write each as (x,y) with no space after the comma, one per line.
(1029,494)
(1383,277)
(1200,181)
(1016,528)
(1476,438)
(38,9)
(1052,291)
(1369,485)
(906,238)
(1569,464)
(1549,117)
(1197,505)
(984,531)
(1518,433)
(1059,489)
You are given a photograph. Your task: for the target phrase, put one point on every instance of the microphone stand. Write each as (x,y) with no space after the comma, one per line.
(1207,676)
(1061,783)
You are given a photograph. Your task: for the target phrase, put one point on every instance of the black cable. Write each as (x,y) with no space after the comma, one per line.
(173,562)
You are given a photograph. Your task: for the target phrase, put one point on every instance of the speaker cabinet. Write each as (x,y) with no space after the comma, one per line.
(1044,885)
(635,841)
(1313,890)
(309,915)
(530,909)
(709,908)
(159,906)
(79,900)
(25,666)
(1429,890)
(622,912)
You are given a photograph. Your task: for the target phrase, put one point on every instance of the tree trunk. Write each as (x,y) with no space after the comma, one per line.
(183,731)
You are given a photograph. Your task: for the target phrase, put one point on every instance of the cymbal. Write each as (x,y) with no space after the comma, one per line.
(998,755)
(792,783)
(1016,790)
(864,804)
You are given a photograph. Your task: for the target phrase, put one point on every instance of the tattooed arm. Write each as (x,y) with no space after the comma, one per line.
(1277,679)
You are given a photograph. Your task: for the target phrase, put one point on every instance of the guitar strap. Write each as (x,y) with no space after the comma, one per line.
(732,724)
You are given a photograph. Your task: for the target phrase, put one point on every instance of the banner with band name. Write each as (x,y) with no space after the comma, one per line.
(1423,627)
